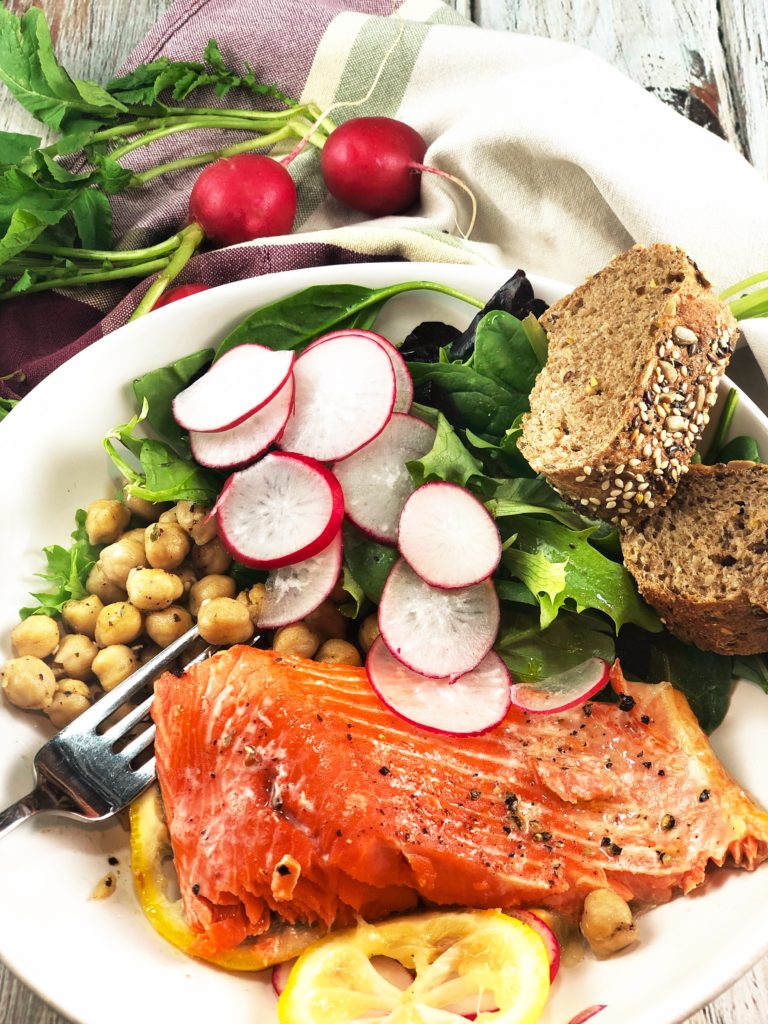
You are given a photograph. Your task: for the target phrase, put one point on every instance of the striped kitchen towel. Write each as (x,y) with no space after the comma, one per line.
(569,160)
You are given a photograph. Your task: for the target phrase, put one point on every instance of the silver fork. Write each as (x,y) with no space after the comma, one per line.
(83,774)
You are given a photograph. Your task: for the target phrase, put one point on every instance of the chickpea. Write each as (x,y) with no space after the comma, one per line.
(210,587)
(75,655)
(328,621)
(169,516)
(253,600)
(296,639)
(222,620)
(168,625)
(187,575)
(105,520)
(606,922)
(113,664)
(197,521)
(137,534)
(29,683)
(369,631)
(119,558)
(211,558)
(81,616)
(71,699)
(166,545)
(141,507)
(339,652)
(118,623)
(153,589)
(100,586)
(37,636)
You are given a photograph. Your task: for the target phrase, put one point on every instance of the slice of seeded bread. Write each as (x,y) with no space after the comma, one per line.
(635,356)
(702,561)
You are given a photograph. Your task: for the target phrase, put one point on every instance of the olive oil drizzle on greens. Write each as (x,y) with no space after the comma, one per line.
(565,593)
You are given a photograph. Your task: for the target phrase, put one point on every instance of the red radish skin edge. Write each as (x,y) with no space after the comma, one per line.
(485,572)
(580,699)
(180,293)
(243,197)
(321,542)
(183,421)
(272,622)
(546,935)
(280,974)
(379,643)
(403,381)
(587,1014)
(196,438)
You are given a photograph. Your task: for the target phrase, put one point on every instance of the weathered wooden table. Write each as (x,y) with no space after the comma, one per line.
(707,58)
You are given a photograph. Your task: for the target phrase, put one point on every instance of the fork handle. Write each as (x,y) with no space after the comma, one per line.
(20,811)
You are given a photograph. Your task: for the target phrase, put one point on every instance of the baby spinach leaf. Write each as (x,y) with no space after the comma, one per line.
(501,457)
(67,570)
(163,475)
(159,387)
(29,68)
(592,580)
(531,653)
(703,677)
(368,562)
(741,448)
(503,353)
(448,459)
(753,667)
(468,398)
(515,296)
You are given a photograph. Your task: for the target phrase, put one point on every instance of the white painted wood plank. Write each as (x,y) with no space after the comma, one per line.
(671,48)
(745,37)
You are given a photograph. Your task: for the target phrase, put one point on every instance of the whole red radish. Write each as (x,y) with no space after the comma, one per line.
(180,293)
(243,197)
(374,164)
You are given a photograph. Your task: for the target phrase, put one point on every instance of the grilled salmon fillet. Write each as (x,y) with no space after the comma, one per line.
(290,789)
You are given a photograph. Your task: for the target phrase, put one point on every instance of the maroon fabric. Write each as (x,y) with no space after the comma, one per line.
(278,38)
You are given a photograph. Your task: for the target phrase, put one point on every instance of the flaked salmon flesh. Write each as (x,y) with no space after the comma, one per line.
(291,790)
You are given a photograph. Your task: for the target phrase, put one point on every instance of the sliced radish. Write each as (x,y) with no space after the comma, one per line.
(437,632)
(403,380)
(281,510)
(546,935)
(296,590)
(242,381)
(448,537)
(564,690)
(376,481)
(587,1014)
(345,393)
(280,975)
(467,706)
(248,439)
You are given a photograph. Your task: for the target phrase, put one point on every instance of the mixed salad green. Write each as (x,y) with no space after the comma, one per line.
(565,593)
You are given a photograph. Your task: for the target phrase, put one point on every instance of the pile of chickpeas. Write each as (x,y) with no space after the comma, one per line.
(151,582)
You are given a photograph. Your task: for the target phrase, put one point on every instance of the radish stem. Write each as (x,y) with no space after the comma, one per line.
(191,237)
(741,286)
(78,280)
(228,124)
(456,181)
(118,256)
(208,158)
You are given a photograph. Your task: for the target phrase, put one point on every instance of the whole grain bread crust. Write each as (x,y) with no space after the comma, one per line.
(732,625)
(656,435)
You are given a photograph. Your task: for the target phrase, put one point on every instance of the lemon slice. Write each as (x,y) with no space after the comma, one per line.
(464,962)
(153,876)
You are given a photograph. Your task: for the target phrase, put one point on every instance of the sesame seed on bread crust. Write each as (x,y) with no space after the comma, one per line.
(702,561)
(635,357)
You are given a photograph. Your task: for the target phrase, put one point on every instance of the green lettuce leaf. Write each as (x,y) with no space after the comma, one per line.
(448,459)
(158,388)
(544,579)
(67,570)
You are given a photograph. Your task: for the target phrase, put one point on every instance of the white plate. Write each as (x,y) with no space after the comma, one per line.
(100,960)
